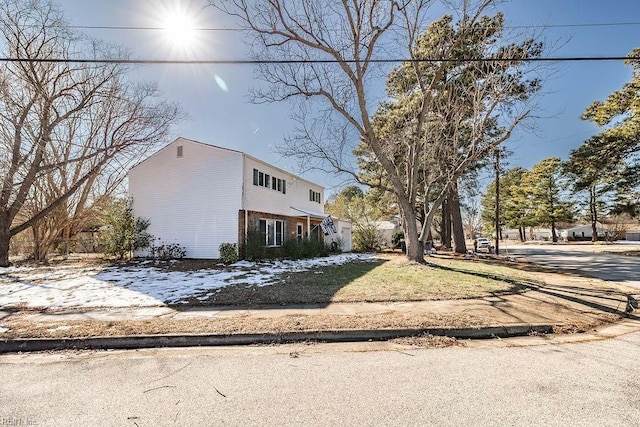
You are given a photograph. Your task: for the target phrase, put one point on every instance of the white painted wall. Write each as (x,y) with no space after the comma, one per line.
(261,199)
(578,231)
(387,230)
(193,200)
(344,230)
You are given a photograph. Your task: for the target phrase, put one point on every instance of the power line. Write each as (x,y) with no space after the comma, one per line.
(592,24)
(221,29)
(314,61)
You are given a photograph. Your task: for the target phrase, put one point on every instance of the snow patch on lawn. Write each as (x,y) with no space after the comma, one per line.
(143,285)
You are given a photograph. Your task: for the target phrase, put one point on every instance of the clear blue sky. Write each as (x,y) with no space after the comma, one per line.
(215,95)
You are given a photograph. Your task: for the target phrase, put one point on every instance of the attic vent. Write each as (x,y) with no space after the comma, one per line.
(179,150)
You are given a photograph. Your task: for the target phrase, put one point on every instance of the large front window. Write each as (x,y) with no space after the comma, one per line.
(272,230)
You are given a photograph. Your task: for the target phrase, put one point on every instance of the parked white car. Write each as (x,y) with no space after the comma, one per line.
(483,245)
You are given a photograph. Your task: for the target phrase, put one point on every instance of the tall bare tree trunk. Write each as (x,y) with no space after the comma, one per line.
(415,247)
(497,213)
(594,213)
(36,250)
(5,239)
(446,224)
(460,245)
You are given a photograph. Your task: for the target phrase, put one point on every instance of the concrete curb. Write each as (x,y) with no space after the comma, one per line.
(205,340)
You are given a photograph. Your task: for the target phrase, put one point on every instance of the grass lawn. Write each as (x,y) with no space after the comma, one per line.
(391,279)
(497,268)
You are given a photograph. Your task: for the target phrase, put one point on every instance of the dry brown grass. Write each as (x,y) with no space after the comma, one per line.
(389,279)
(236,325)
(429,341)
(22,328)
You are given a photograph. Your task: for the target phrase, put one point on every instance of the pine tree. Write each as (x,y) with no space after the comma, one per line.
(546,201)
(513,208)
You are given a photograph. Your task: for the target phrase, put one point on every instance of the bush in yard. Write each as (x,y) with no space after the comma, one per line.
(366,238)
(336,246)
(166,251)
(292,248)
(396,239)
(304,248)
(123,234)
(141,238)
(228,252)
(254,249)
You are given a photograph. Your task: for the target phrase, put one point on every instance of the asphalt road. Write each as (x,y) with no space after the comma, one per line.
(591,260)
(595,383)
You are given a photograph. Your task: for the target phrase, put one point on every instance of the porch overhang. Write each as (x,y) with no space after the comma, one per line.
(307,213)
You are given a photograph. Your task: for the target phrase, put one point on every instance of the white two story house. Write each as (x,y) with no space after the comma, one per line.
(199,196)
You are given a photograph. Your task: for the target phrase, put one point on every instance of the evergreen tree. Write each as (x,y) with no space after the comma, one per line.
(460,128)
(513,209)
(123,234)
(613,154)
(621,109)
(597,174)
(546,201)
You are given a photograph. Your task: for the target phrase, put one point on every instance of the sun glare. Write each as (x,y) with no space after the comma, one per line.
(180,28)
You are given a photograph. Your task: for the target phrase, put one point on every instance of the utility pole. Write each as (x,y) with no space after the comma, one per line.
(496,167)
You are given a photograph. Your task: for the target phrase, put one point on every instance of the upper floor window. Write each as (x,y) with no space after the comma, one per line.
(179,151)
(314,196)
(262,179)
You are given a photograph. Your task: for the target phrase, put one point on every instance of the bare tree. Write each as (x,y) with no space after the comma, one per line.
(327,50)
(132,115)
(64,125)
(472,221)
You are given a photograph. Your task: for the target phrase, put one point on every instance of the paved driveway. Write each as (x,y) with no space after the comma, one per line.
(596,261)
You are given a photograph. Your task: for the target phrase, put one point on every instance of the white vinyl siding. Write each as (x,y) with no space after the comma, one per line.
(193,200)
(286,190)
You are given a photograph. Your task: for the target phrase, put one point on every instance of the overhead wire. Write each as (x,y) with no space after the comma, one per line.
(222,29)
(319,61)
(311,61)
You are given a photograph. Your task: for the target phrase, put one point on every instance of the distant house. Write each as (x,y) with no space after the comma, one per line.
(582,232)
(199,196)
(509,234)
(633,235)
(530,233)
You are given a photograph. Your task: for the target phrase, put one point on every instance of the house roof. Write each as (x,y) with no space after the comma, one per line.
(229,150)
(180,138)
